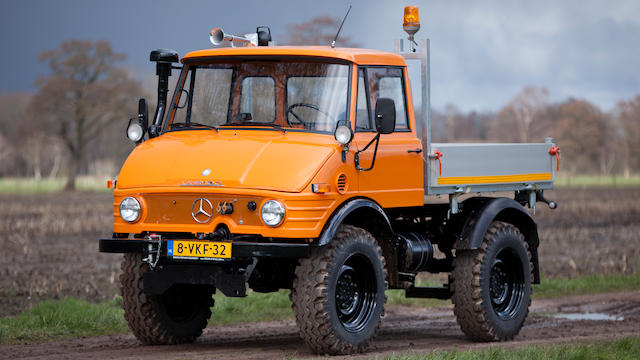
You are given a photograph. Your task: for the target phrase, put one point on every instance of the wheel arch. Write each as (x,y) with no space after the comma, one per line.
(483,211)
(368,215)
(361,212)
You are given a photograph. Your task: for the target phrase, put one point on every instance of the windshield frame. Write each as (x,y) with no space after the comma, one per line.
(213,60)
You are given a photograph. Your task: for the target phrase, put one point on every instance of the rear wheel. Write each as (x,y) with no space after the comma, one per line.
(177,316)
(492,285)
(338,294)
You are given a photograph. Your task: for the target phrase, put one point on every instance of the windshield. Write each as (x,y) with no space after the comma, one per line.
(283,94)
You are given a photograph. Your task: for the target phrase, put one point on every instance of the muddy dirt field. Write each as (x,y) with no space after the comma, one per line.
(403,330)
(48,248)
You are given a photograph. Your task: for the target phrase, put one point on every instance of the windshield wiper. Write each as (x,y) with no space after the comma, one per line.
(181,125)
(275,126)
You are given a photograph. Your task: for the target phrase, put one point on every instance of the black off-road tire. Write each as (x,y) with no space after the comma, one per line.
(175,317)
(338,293)
(492,285)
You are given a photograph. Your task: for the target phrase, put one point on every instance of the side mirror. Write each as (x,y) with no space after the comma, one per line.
(385,115)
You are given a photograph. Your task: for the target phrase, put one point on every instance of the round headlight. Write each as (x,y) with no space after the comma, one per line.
(272,213)
(343,134)
(129,209)
(135,132)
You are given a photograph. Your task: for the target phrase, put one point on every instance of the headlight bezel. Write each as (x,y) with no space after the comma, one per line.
(135,203)
(276,208)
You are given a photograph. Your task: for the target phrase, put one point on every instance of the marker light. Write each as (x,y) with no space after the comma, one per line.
(411,20)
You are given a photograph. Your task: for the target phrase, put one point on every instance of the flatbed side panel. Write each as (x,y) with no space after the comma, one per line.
(490,167)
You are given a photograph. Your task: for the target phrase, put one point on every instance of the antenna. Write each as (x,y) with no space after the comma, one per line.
(333,43)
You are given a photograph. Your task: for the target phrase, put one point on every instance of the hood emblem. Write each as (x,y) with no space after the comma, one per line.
(206,172)
(201,210)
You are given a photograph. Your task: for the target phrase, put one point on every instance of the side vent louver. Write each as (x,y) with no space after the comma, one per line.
(341,183)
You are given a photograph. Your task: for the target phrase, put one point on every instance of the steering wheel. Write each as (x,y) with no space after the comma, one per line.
(306,124)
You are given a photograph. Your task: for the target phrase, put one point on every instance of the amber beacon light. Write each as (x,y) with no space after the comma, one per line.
(411,20)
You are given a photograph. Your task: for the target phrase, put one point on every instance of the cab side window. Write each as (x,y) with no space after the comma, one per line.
(381,82)
(387,82)
(363,118)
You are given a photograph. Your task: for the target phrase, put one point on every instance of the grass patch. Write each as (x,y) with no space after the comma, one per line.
(33,186)
(253,308)
(557,287)
(55,319)
(626,348)
(596,181)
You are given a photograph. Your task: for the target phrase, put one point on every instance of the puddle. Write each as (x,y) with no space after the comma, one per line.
(587,316)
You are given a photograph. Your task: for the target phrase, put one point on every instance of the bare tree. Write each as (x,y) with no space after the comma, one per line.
(583,131)
(629,119)
(320,30)
(84,92)
(524,118)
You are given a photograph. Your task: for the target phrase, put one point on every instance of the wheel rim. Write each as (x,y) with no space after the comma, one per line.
(355,296)
(182,302)
(506,287)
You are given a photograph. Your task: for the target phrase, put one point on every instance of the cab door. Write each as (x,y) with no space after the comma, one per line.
(396,177)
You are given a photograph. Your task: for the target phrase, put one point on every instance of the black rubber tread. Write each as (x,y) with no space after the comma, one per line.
(144,315)
(469,308)
(309,295)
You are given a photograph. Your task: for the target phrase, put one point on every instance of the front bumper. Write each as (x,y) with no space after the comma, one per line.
(240,249)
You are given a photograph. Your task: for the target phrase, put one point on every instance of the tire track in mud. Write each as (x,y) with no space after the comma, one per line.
(403,329)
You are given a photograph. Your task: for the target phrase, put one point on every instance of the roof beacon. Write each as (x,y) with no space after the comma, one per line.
(411,24)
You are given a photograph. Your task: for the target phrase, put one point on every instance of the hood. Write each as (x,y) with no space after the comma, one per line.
(232,159)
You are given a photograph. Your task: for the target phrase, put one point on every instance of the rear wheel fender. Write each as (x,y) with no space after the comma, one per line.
(481,212)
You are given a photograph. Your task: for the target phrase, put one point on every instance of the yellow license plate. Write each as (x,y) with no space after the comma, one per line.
(198,249)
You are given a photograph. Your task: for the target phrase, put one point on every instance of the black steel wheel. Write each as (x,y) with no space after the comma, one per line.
(175,317)
(355,293)
(492,285)
(338,293)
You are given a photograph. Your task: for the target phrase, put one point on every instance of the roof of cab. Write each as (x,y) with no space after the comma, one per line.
(355,55)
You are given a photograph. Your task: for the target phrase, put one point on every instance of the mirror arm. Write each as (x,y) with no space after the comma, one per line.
(375,152)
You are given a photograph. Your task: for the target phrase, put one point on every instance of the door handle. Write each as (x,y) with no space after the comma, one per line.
(417,151)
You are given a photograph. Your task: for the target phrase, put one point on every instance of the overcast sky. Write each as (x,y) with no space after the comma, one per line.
(483,52)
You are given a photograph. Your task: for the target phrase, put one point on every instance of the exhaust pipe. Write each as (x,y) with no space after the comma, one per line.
(163,59)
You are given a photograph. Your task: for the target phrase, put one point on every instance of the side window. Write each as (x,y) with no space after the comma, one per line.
(388,83)
(259,99)
(363,120)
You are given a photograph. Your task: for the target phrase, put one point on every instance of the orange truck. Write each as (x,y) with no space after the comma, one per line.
(306,168)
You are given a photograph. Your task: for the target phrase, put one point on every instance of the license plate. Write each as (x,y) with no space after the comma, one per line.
(202,250)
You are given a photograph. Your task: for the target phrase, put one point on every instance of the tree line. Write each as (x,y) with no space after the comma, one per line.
(75,122)
(592,141)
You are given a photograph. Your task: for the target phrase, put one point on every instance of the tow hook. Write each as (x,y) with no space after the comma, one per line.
(552,204)
(154,250)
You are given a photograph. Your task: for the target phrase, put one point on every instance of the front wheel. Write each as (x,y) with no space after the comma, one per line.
(492,285)
(175,317)
(338,293)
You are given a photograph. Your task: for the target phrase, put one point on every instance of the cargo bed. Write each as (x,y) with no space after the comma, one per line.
(463,168)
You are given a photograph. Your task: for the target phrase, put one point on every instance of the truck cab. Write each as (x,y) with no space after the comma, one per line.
(306,168)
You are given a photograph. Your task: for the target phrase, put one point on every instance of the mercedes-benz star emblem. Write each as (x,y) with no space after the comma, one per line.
(201,210)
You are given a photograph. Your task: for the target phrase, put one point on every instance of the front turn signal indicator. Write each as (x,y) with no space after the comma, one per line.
(320,188)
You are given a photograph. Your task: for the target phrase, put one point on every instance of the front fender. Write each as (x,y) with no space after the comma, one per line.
(367,208)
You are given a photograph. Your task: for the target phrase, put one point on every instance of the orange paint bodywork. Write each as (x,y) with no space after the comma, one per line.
(167,173)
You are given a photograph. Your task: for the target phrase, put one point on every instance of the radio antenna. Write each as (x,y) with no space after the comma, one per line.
(333,43)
